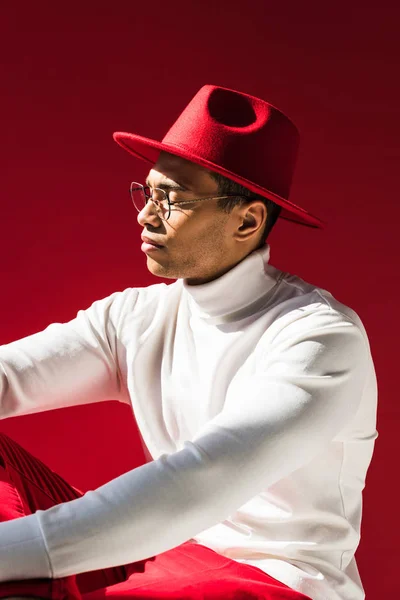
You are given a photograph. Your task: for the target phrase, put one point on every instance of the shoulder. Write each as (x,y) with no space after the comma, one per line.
(299,308)
(137,302)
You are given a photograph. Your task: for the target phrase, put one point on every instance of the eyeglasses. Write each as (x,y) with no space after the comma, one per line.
(141,194)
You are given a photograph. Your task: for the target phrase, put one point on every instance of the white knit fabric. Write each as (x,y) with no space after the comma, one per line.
(256,396)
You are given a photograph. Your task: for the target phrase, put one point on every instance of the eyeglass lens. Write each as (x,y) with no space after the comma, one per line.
(140,194)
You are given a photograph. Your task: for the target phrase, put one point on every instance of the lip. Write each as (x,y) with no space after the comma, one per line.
(150,248)
(151,242)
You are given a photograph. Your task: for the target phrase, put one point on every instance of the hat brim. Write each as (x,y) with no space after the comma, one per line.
(149,150)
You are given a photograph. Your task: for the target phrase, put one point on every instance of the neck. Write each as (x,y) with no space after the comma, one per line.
(235,293)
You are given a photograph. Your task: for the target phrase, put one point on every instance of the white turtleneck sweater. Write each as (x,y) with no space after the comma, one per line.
(255,394)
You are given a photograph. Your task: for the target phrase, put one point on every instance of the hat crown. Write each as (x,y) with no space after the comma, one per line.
(239,133)
(235,110)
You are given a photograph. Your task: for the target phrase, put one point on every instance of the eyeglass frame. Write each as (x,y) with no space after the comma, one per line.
(166,194)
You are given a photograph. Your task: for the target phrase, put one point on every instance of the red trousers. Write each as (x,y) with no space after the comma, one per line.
(188,572)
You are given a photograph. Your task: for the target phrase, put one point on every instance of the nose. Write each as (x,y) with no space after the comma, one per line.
(148,214)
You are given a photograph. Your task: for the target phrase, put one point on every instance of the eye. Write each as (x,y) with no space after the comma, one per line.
(178,193)
(174,194)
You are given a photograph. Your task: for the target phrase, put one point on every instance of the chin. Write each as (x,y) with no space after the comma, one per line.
(159,270)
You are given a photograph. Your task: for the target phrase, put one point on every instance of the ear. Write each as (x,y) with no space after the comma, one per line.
(251,218)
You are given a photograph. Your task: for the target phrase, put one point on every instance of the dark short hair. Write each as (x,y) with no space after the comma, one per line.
(228,186)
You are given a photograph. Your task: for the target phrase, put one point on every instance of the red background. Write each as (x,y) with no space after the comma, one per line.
(72,73)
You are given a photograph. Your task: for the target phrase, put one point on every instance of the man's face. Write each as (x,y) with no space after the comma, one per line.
(197,239)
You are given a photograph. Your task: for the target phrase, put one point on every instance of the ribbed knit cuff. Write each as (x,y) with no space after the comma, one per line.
(23,553)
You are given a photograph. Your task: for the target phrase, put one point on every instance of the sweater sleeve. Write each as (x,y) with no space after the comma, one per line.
(66,364)
(306,388)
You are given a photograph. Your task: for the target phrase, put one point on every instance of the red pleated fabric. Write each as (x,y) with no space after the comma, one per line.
(188,572)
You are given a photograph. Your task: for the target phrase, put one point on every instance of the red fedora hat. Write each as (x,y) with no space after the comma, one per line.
(237,135)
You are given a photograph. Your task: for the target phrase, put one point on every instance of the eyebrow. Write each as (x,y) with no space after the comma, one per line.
(168,186)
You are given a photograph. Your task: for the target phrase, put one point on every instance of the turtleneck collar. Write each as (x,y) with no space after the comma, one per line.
(236,294)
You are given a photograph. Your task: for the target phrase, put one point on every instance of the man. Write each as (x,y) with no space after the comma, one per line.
(254,392)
